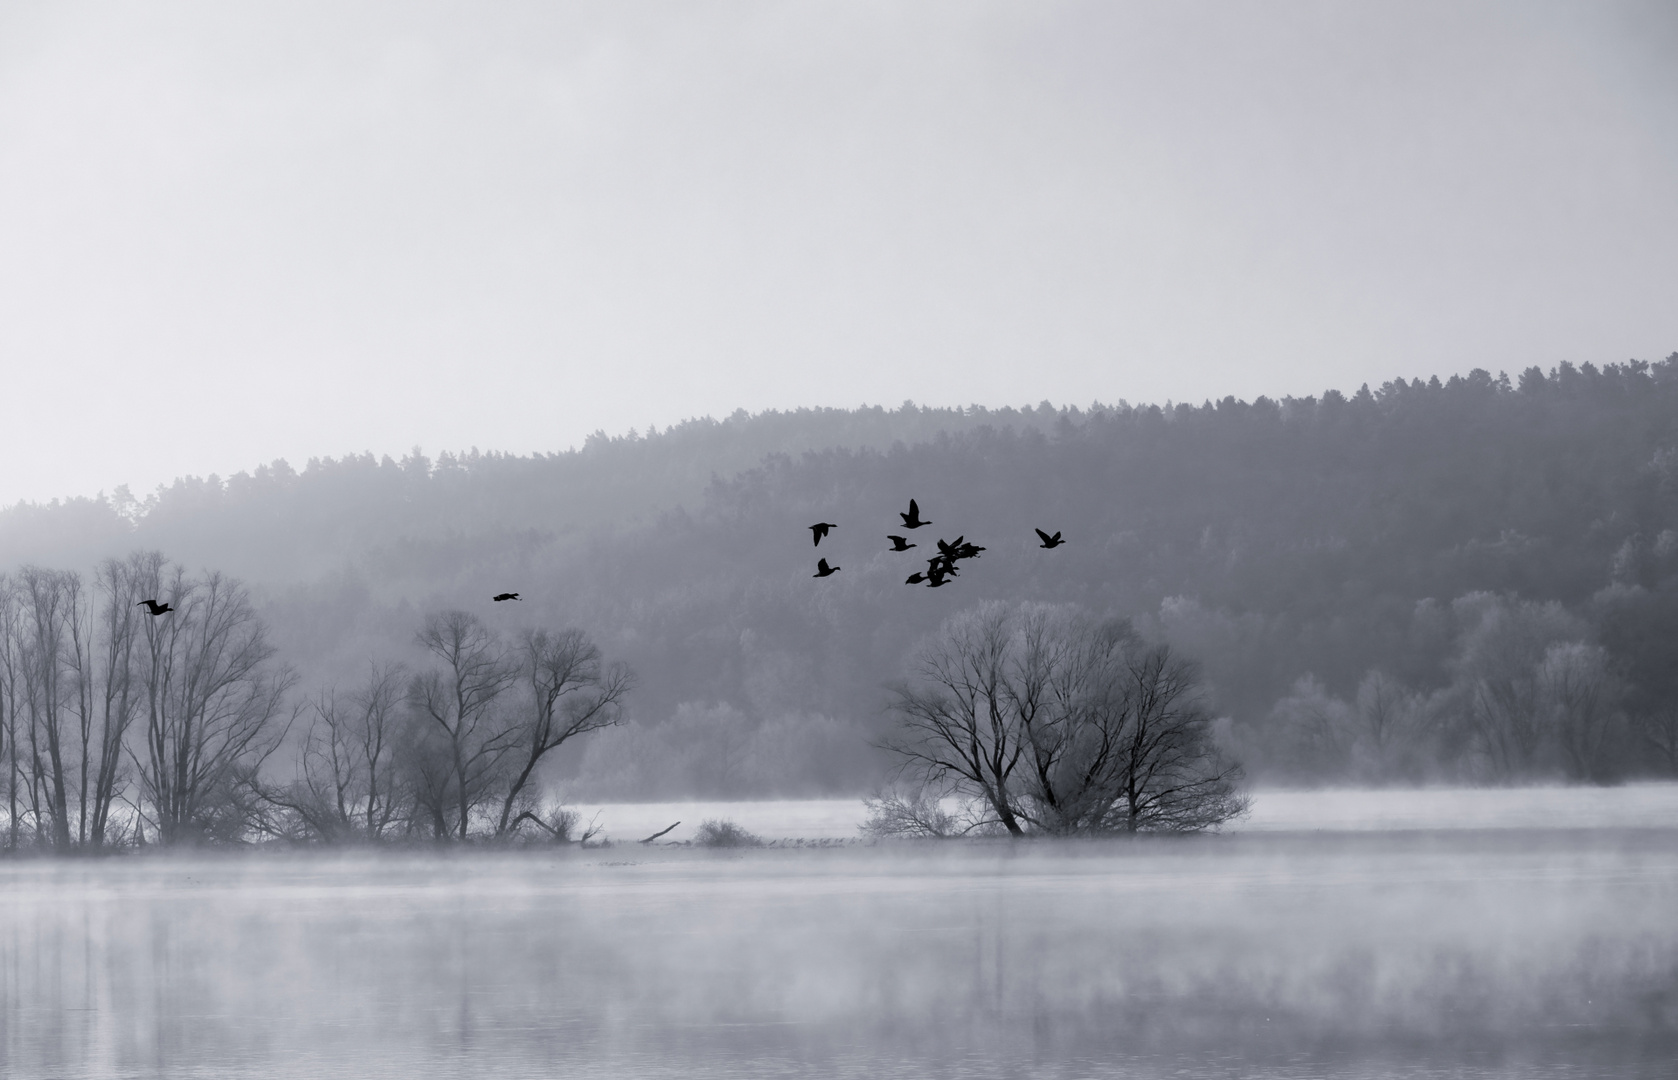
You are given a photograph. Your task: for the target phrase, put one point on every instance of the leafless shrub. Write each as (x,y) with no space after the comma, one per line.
(347,786)
(915,812)
(717,833)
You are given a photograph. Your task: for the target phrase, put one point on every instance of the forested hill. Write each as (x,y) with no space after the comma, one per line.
(1399,531)
(278,524)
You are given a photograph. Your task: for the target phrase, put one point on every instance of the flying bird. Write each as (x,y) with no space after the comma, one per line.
(914,579)
(936,581)
(899,543)
(154,608)
(498,597)
(1050,541)
(912,520)
(822,569)
(819,529)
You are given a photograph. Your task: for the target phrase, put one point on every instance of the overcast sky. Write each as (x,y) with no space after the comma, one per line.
(236,232)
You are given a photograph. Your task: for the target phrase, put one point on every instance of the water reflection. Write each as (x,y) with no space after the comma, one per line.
(1474,954)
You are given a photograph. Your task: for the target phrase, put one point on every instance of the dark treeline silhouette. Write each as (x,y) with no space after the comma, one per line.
(1473,579)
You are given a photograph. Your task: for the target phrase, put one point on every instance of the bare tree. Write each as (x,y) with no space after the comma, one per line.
(1582,695)
(1499,666)
(68,694)
(372,734)
(346,784)
(571,693)
(1371,739)
(462,739)
(1065,686)
(1318,730)
(1171,775)
(51,598)
(114,693)
(1390,719)
(214,706)
(957,731)
(79,628)
(11,663)
(1059,724)
(427,771)
(1657,728)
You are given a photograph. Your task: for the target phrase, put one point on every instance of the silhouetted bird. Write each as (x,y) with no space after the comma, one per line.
(899,543)
(820,529)
(912,520)
(506,596)
(969,551)
(914,579)
(1050,541)
(154,607)
(951,548)
(937,581)
(822,569)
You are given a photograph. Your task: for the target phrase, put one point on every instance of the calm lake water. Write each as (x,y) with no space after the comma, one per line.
(1504,951)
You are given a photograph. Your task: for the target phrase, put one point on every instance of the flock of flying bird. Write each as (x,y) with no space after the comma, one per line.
(940,568)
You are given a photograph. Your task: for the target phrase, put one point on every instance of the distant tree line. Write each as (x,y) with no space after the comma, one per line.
(1532,693)
(1467,579)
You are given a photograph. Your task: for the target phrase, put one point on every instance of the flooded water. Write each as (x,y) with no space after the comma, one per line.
(1494,952)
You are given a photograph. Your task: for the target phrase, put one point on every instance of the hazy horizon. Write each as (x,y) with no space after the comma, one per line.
(433,453)
(243,234)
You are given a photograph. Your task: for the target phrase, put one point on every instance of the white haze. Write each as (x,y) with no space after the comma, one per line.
(235,232)
(1463,954)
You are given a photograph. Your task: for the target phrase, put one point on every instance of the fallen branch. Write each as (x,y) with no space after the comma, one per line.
(658,834)
(528,816)
(566,821)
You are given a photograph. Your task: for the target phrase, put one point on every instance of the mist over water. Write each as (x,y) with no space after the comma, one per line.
(499,416)
(1473,952)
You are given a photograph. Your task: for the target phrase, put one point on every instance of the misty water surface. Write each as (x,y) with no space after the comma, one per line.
(1511,952)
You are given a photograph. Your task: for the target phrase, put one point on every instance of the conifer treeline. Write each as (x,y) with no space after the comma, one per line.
(1472,578)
